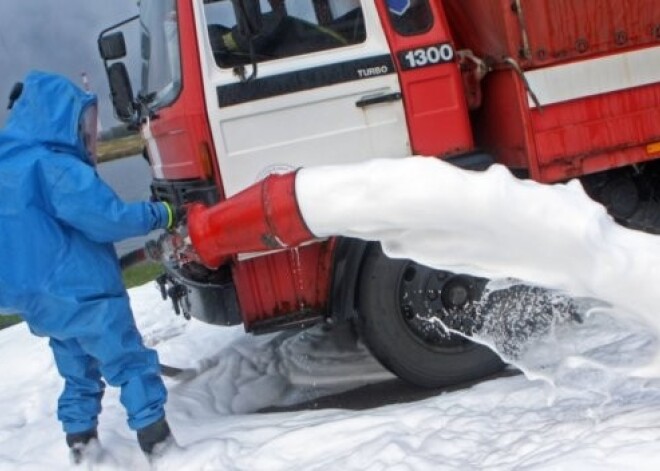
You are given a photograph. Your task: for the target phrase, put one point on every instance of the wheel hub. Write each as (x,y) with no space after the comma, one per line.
(431,299)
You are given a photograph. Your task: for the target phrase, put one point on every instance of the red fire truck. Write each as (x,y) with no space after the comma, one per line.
(233,91)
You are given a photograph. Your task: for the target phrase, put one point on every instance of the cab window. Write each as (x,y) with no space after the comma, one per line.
(410,17)
(161,64)
(288,28)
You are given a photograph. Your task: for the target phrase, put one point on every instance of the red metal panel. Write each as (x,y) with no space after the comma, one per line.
(489,28)
(285,282)
(552,31)
(434,97)
(502,124)
(568,139)
(596,133)
(181,127)
(569,29)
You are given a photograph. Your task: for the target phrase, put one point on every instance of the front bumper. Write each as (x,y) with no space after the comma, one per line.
(212,302)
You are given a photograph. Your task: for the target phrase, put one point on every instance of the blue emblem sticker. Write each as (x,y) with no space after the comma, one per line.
(398,7)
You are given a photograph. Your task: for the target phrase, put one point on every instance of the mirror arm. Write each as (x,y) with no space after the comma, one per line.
(117,25)
(133,122)
(143,109)
(110,28)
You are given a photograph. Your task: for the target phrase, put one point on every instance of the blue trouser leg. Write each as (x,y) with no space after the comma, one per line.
(80,402)
(125,362)
(100,336)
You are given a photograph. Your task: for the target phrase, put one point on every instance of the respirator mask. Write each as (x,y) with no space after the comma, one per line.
(87,130)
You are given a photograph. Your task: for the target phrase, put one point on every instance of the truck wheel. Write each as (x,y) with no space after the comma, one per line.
(400,302)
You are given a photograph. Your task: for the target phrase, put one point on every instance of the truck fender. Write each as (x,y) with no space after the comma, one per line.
(347,267)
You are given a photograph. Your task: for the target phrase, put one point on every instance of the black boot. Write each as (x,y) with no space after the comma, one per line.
(153,435)
(78,442)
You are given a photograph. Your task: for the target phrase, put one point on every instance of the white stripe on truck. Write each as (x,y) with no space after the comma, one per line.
(595,76)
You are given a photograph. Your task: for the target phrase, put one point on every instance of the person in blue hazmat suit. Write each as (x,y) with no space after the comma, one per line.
(59,269)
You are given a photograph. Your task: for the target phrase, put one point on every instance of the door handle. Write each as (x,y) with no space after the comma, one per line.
(375,99)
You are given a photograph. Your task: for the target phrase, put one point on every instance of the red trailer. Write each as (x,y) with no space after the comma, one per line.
(577,81)
(236,90)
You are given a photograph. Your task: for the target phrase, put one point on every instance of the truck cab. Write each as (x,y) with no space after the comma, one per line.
(232,91)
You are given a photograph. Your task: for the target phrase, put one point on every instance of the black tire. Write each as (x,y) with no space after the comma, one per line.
(425,358)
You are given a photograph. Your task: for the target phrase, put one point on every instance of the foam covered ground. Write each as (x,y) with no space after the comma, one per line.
(578,408)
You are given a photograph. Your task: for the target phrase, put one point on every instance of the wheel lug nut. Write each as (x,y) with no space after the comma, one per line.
(458,296)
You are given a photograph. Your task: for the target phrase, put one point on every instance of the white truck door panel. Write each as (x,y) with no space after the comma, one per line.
(338,105)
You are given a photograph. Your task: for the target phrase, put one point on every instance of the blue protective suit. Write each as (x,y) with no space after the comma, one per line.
(58,267)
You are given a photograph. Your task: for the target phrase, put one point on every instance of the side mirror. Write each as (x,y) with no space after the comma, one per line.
(248,17)
(112,46)
(121,92)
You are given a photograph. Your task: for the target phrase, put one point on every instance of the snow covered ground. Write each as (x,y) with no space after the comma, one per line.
(593,421)
(580,409)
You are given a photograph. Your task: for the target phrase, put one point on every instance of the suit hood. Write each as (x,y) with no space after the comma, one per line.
(48,112)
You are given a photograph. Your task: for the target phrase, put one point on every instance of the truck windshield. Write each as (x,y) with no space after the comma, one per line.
(289,28)
(159,37)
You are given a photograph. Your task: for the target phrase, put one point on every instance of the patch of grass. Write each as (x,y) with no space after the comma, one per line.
(133,276)
(6,321)
(142,273)
(120,147)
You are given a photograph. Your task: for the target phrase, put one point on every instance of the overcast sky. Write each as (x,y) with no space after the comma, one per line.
(57,36)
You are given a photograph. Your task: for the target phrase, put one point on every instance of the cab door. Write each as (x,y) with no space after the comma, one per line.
(427,63)
(325,90)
